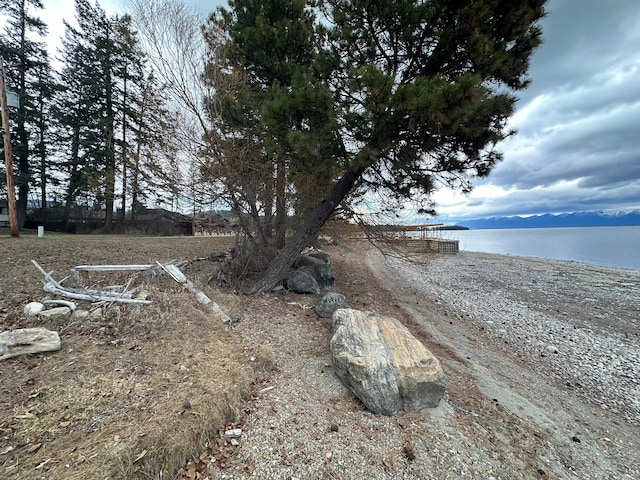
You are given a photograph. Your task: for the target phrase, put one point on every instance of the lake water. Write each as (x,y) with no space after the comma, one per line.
(609,246)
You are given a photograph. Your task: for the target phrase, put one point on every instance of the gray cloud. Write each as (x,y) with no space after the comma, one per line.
(578,141)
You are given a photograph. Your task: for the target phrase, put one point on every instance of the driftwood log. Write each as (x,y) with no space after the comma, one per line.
(180,277)
(28,340)
(51,286)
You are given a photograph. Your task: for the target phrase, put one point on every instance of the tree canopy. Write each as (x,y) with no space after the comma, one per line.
(388,96)
(95,130)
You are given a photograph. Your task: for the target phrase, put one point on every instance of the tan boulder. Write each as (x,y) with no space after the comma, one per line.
(27,340)
(385,366)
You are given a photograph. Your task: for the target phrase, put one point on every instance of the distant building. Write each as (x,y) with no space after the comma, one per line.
(4,213)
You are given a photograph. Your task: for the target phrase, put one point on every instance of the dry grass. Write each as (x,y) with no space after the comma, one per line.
(134,393)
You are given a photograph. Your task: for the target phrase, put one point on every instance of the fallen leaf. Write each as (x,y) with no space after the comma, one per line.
(65,424)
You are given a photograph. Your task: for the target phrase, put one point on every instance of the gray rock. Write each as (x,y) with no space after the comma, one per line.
(28,340)
(33,308)
(319,266)
(322,256)
(329,303)
(385,366)
(307,261)
(58,314)
(80,315)
(301,281)
(323,275)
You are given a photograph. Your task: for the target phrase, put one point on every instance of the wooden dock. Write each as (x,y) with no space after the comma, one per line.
(429,244)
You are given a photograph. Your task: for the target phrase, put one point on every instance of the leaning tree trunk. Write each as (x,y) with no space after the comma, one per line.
(307,232)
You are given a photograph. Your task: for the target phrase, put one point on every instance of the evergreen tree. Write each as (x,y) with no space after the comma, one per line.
(42,137)
(153,151)
(26,60)
(421,92)
(130,76)
(273,119)
(77,115)
(112,118)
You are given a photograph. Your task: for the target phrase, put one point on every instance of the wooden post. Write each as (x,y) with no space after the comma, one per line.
(8,156)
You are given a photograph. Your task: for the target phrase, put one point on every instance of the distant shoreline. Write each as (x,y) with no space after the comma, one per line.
(564,220)
(617,247)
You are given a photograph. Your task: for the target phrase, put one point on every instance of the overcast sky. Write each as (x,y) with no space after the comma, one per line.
(578,141)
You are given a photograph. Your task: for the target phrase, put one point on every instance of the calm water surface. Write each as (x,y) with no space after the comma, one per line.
(609,246)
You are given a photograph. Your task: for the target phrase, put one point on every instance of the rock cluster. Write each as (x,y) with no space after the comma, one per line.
(313,273)
(376,357)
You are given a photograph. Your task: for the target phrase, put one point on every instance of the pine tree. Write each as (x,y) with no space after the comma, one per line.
(271,114)
(77,118)
(26,58)
(421,92)
(153,151)
(42,137)
(112,119)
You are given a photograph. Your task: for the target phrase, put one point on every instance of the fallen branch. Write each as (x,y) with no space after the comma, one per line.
(112,268)
(92,295)
(65,303)
(52,286)
(180,277)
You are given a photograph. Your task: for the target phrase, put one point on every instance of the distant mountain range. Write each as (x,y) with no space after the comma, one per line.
(577,219)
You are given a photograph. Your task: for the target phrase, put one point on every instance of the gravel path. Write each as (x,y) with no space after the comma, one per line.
(540,358)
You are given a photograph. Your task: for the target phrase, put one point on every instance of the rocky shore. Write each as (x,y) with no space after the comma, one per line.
(577,323)
(540,359)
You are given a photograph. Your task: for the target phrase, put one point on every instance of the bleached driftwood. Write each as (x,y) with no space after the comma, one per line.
(28,340)
(51,286)
(180,277)
(65,303)
(112,268)
(92,295)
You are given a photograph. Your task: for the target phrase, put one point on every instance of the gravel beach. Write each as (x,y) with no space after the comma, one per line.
(576,322)
(541,360)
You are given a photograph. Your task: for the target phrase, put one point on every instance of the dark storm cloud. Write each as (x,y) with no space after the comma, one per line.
(583,39)
(578,141)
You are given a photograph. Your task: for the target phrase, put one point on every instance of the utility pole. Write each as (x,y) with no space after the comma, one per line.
(8,156)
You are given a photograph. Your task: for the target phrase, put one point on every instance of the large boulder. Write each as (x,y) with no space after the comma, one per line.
(329,303)
(319,266)
(300,281)
(385,366)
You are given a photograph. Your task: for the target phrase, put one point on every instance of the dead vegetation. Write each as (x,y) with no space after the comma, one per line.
(134,392)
